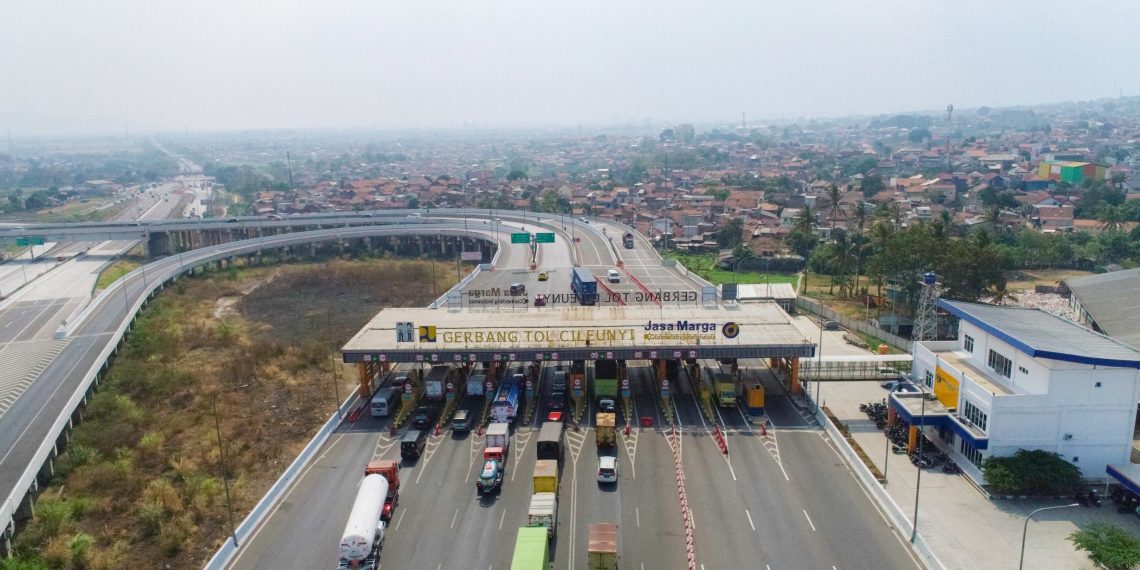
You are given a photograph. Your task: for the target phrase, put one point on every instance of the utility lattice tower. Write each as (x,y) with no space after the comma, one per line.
(926,316)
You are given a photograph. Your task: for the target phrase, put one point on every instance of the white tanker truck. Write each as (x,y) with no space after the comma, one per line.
(364,533)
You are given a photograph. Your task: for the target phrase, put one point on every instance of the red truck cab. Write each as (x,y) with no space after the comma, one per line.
(391,471)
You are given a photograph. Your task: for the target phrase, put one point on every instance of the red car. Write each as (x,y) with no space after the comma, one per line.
(540,300)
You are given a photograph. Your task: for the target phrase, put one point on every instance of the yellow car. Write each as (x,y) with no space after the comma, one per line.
(543,276)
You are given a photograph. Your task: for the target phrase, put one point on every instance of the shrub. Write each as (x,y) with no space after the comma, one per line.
(161,492)
(1033,472)
(149,516)
(21,563)
(1108,546)
(51,514)
(56,552)
(112,558)
(150,445)
(174,534)
(79,547)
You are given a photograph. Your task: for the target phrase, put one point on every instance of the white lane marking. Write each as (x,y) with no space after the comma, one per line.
(809,520)
(502,518)
(637,513)
(296,483)
(400,520)
(454,517)
(750,523)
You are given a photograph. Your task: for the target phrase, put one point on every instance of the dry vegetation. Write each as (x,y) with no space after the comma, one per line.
(139,485)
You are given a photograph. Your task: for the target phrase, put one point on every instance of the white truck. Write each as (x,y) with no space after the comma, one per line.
(543,512)
(499,435)
(435,383)
(364,534)
(475,383)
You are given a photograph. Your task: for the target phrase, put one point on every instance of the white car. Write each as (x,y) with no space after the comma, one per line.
(613,276)
(607,469)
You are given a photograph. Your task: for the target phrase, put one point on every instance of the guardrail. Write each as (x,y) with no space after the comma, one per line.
(890,507)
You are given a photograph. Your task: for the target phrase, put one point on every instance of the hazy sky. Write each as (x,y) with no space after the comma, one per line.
(236,64)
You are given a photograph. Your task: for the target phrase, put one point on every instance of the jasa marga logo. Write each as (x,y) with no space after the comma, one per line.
(730,330)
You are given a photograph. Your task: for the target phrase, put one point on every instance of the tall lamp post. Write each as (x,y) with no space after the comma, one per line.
(1025,528)
(222,455)
(921,446)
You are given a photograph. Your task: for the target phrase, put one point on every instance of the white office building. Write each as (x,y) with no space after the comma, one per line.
(1024,379)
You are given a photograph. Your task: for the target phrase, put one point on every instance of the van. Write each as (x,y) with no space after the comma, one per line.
(412,444)
(613,276)
(383,402)
(461,421)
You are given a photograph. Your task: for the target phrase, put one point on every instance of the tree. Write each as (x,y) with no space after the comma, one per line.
(918,135)
(871,184)
(833,196)
(517,175)
(553,203)
(1109,546)
(730,234)
(1111,216)
(1032,472)
(992,216)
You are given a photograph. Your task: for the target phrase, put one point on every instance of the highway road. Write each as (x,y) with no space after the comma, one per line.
(441,523)
(783,500)
(30,316)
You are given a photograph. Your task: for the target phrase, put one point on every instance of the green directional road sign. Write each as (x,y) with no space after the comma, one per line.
(520,238)
(544,237)
(37,240)
(22,241)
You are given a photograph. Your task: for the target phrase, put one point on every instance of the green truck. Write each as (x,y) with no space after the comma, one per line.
(530,549)
(605,379)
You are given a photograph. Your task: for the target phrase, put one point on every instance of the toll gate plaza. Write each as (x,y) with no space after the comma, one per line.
(463,336)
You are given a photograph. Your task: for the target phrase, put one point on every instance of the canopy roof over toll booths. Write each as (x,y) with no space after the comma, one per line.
(755,330)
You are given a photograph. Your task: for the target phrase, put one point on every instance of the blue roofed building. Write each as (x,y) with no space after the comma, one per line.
(1019,378)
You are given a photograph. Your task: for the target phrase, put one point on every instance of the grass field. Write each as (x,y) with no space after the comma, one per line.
(114,272)
(139,484)
(704,264)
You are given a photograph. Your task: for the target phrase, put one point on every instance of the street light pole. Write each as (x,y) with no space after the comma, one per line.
(222,455)
(921,446)
(1025,528)
(819,364)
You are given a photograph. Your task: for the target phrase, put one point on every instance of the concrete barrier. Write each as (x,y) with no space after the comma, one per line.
(222,557)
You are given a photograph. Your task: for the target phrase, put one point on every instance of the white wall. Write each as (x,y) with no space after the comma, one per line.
(1098,421)
(1036,382)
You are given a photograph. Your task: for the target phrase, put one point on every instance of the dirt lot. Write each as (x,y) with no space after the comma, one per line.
(140,483)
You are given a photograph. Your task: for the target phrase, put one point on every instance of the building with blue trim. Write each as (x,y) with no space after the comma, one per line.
(1020,378)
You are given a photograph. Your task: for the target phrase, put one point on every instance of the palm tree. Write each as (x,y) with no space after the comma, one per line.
(1001,294)
(992,216)
(806,220)
(1111,216)
(943,225)
(860,214)
(833,194)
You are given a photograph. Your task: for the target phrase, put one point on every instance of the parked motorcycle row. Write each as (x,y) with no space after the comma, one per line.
(898,434)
